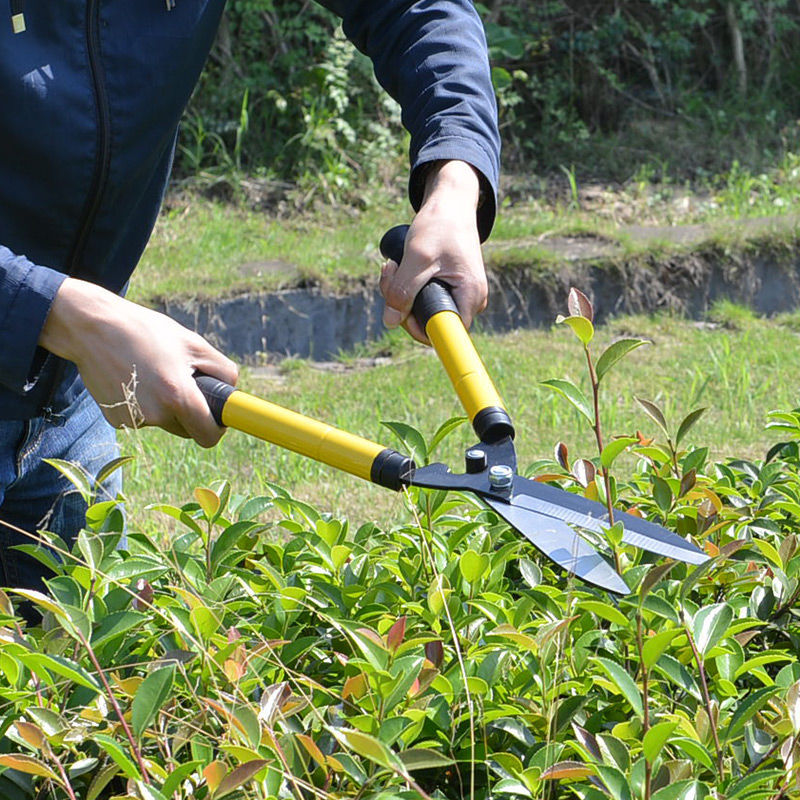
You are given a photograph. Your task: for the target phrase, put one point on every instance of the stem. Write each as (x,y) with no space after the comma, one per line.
(61,771)
(117,710)
(706,698)
(598,435)
(648,767)
(787,605)
(208,553)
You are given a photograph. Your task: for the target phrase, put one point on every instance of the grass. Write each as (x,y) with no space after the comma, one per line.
(738,371)
(205,248)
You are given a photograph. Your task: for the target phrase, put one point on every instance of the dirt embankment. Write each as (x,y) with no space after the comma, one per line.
(681,269)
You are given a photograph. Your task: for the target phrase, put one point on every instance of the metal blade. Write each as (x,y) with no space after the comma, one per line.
(585,513)
(561,545)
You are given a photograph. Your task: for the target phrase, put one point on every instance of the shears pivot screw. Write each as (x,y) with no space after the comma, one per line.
(501,476)
(476,460)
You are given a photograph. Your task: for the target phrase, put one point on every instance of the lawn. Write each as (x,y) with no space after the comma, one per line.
(740,367)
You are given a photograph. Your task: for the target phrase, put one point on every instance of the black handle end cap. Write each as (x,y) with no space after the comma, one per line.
(392,469)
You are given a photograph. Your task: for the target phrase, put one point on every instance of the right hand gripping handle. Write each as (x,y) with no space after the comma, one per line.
(436,311)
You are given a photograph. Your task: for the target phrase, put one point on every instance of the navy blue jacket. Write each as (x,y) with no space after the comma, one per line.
(90,100)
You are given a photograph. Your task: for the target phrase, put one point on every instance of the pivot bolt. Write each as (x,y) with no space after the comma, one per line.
(476,460)
(501,476)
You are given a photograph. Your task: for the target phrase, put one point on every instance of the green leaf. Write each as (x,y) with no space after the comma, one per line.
(682,790)
(411,438)
(370,645)
(655,739)
(614,448)
(438,592)
(371,748)
(710,624)
(151,695)
(673,670)
(228,540)
(111,467)
(117,754)
(206,623)
(624,682)
(615,781)
(654,575)
(662,493)
(76,475)
(769,552)
(573,394)
(655,645)
(654,412)
(149,792)
(116,624)
(424,758)
(178,514)
(613,353)
(747,787)
(41,664)
(605,611)
(444,430)
(178,776)
(101,780)
(581,327)
(695,751)
(748,708)
(688,421)
(473,566)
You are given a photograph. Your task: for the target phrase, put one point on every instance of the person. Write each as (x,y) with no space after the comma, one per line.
(92,95)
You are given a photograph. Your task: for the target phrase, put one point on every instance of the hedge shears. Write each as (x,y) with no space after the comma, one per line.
(542,513)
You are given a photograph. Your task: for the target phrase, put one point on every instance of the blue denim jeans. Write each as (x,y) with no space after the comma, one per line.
(35,496)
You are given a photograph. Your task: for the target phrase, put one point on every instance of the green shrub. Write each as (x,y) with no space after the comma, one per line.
(607,87)
(256,647)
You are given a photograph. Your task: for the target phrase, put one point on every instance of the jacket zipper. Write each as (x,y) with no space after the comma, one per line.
(101,169)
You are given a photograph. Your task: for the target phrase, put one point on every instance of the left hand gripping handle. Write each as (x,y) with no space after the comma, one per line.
(304,435)
(437,313)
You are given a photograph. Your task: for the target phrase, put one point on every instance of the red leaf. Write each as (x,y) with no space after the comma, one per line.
(562,455)
(144,595)
(579,304)
(394,638)
(584,471)
(434,652)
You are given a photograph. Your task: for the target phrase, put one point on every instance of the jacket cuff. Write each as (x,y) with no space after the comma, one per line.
(27,292)
(449,148)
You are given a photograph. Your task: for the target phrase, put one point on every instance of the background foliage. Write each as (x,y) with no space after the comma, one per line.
(285,94)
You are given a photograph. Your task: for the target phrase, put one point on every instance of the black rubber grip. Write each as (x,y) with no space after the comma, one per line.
(392,469)
(493,424)
(216,393)
(393,242)
(435,296)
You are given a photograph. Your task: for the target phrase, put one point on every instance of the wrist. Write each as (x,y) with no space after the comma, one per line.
(75,309)
(454,183)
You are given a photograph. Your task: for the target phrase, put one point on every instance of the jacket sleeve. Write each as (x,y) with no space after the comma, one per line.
(26,294)
(431,56)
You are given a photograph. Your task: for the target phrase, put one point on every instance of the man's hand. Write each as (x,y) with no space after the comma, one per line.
(111,339)
(442,243)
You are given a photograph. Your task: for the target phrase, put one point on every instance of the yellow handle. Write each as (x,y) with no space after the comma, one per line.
(301,434)
(462,363)
(304,435)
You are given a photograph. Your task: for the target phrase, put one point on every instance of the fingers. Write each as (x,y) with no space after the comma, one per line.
(400,300)
(196,417)
(449,253)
